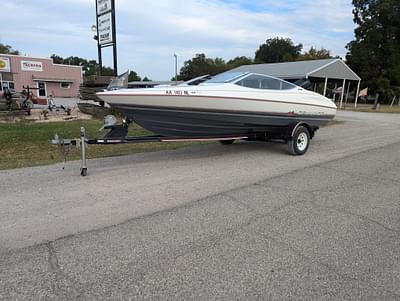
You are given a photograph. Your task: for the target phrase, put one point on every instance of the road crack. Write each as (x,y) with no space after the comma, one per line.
(363,217)
(61,284)
(54,269)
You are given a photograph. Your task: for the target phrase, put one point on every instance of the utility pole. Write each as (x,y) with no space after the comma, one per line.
(176,69)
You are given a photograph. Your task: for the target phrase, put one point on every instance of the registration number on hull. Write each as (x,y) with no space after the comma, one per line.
(183,93)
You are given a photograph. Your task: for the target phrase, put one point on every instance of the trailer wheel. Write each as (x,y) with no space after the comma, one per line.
(227,142)
(300,141)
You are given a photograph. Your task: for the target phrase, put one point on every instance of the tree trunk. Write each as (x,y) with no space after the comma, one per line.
(394,98)
(376,101)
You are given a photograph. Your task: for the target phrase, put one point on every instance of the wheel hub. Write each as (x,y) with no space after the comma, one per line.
(302,141)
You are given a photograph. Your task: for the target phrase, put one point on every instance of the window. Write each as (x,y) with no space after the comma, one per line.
(264,82)
(65,85)
(7,85)
(251,83)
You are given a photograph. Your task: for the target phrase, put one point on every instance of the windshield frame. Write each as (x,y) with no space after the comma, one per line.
(235,75)
(248,74)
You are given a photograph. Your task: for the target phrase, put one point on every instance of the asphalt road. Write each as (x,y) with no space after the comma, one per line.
(239,222)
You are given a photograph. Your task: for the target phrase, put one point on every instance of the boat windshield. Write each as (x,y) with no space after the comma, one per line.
(260,81)
(225,77)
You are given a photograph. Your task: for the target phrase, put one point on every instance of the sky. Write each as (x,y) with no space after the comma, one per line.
(149,33)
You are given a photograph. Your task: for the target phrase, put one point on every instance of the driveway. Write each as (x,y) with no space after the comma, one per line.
(244,221)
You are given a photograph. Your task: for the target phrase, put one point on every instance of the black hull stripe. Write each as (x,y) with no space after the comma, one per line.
(190,123)
(212,111)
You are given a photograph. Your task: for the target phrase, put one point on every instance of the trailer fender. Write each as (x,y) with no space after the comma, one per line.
(293,127)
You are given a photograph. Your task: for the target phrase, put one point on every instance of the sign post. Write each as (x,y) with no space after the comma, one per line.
(106,32)
(114,37)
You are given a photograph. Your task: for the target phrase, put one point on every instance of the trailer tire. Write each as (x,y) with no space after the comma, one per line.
(227,142)
(300,141)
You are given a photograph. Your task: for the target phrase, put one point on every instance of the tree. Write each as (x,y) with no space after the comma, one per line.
(107,71)
(239,61)
(375,52)
(278,50)
(57,59)
(89,67)
(7,49)
(315,54)
(201,65)
(133,77)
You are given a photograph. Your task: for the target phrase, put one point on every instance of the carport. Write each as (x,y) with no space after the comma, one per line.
(315,71)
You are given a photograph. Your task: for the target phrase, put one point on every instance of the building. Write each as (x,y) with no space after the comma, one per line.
(320,75)
(47,78)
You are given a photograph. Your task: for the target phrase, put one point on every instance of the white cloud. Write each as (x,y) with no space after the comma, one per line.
(149,33)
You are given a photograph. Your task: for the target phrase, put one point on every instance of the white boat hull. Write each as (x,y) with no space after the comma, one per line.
(213,111)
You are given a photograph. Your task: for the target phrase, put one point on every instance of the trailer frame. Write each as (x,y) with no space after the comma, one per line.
(83,141)
(118,134)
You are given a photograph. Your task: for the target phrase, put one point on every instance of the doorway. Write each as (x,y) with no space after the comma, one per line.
(42,89)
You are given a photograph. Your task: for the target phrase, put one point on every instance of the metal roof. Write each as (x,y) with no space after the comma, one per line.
(330,68)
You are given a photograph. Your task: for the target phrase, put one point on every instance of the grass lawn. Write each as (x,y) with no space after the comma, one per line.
(369,108)
(25,144)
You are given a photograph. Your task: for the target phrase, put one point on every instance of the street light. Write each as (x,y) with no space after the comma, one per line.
(96,37)
(176,69)
(94,29)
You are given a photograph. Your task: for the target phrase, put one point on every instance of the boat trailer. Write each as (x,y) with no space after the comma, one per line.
(118,134)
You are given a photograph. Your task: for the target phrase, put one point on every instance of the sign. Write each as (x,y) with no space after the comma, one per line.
(103,6)
(105,33)
(5,64)
(31,66)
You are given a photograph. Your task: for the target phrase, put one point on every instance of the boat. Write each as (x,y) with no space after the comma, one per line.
(231,103)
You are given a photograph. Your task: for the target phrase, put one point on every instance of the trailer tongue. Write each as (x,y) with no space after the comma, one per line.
(113,138)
